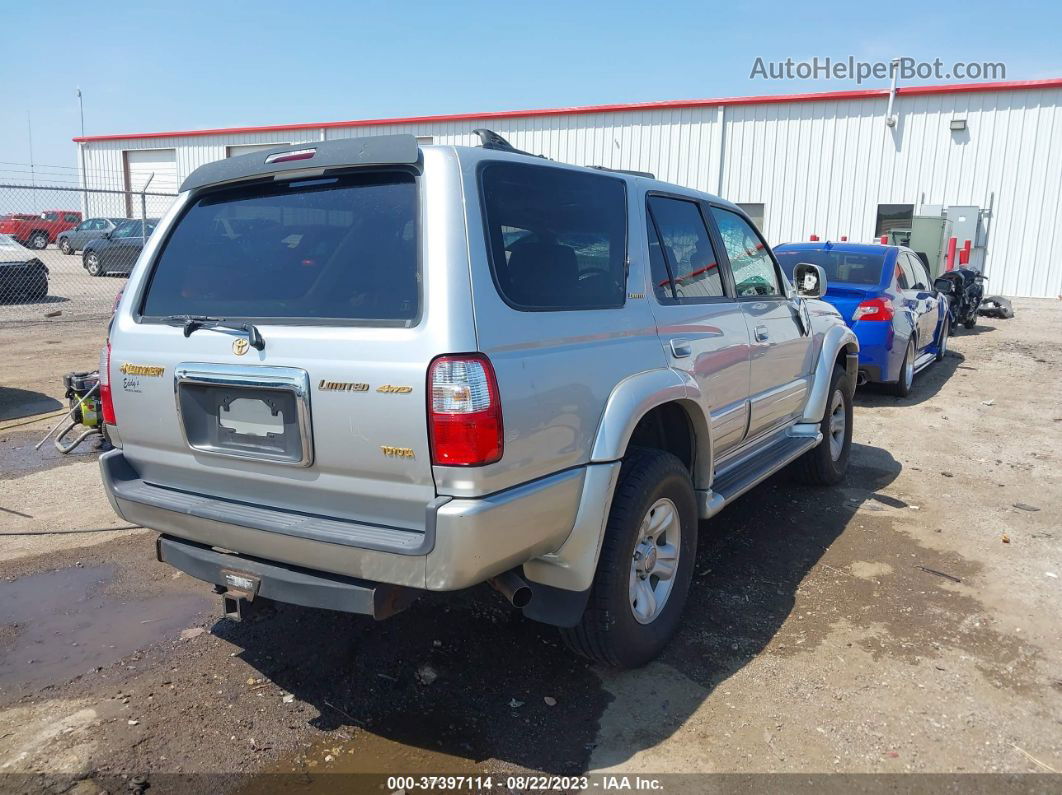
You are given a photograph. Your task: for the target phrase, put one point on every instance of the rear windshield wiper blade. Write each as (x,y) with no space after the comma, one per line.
(193,323)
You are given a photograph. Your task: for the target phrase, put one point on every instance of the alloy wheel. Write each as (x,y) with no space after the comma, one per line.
(655,561)
(838,424)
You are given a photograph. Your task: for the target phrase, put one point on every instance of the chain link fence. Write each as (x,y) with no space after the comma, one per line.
(66,251)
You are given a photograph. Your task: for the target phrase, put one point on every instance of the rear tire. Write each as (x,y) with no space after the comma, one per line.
(902,387)
(92,264)
(38,240)
(942,342)
(646,564)
(970,322)
(827,463)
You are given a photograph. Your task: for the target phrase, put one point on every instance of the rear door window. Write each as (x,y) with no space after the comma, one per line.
(341,249)
(921,278)
(557,239)
(683,242)
(905,276)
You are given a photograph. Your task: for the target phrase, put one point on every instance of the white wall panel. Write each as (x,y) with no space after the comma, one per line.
(820,167)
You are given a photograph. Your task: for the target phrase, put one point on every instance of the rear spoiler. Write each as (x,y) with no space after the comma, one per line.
(313,156)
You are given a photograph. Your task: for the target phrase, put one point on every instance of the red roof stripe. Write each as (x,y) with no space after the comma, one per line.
(825,96)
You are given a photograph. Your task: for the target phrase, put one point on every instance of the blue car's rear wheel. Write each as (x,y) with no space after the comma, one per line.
(902,387)
(942,342)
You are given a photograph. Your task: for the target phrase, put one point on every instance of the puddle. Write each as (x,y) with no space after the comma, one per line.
(367,756)
(60,624)
(19,457)
(371,753)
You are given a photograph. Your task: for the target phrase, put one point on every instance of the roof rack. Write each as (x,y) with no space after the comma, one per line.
(489,139)
(628,172)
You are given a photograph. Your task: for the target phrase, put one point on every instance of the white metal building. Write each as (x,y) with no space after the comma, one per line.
(822,164)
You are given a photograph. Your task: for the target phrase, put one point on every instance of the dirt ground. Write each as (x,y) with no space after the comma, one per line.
(906,622)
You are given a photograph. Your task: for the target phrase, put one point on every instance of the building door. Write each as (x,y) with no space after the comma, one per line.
(140,165)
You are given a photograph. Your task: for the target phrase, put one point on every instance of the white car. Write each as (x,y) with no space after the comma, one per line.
(22,275)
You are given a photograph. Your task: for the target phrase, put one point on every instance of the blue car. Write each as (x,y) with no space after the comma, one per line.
(885,295)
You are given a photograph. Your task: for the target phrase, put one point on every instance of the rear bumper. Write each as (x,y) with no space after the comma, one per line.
(464,541)
(876,342)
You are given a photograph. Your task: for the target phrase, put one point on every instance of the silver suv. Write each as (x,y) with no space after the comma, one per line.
(346,373)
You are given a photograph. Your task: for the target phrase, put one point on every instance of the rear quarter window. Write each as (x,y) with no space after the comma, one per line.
(556,239)
(340,249)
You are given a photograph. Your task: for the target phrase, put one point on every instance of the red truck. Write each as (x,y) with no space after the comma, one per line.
(37,231)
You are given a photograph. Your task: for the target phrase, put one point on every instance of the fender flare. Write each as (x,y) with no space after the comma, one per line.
(571,567)
(634,397)
(835,339)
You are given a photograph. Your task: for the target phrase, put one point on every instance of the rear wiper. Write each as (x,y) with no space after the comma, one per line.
(193,323)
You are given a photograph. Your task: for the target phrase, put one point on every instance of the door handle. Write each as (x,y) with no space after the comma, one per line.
(761,334)
(680,348)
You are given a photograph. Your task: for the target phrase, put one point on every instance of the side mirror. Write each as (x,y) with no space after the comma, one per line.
(106,235)
(810,280)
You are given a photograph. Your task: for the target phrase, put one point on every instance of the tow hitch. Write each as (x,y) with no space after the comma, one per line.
(237,594)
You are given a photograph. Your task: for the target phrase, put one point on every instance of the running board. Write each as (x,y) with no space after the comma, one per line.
(923,361)
(755,469)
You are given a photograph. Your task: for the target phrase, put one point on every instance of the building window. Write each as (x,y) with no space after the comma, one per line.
(754,211)
(893,217)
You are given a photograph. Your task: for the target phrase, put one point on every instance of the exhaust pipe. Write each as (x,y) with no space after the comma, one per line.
(861,378)
(512,586)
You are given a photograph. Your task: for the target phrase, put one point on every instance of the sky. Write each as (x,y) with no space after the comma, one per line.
(153,66)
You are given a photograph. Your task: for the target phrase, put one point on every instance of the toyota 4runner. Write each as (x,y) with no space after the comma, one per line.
(345,373)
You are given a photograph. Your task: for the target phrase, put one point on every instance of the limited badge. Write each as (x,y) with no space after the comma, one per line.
(240,346)
(342,386)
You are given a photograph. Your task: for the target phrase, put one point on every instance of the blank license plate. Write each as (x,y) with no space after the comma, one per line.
(251,417)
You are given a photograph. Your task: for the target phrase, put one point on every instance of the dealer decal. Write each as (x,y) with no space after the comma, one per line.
(146,370)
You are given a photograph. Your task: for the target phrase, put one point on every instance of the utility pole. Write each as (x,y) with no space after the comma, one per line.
(81,154)
(29,129)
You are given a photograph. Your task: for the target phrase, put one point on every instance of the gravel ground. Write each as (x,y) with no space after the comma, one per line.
(906,622)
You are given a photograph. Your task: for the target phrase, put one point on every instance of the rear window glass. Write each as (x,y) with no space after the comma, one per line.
(557,238)
(840,266)
(337,248)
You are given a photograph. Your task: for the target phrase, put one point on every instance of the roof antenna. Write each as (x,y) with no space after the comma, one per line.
(489,139)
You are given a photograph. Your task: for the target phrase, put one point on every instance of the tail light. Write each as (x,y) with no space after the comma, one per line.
(106,400)
(465,416)
(874,309)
